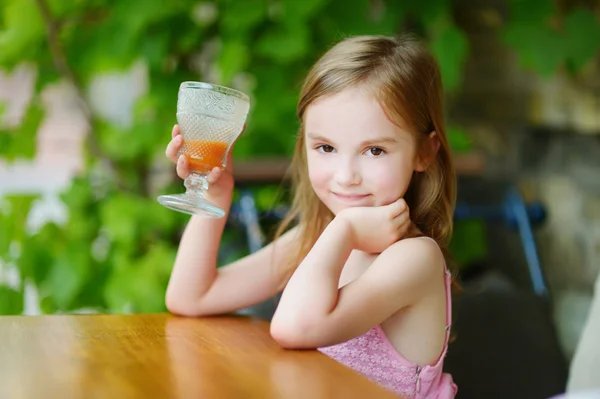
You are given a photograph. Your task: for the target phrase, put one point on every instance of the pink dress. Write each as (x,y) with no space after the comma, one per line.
(373,355)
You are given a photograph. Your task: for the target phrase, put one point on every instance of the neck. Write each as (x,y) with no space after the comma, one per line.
(413,231)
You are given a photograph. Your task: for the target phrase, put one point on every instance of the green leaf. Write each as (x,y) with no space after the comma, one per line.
(117,142)
(234,58)
(469,243)
(115,41)
(458,139)
(295,11)
(47,305)
(240,16)
(68,275)
(582,37)
(538,46)
(14,211)
(285,45)
(20,142)
(46,73)
(11,301)
(154,49)
(156,219)
(140,286)
(5,143)
(273,122)
(530,12)
(137,16)
(266,197)
(78,196)
(39,253)
(118,216)
(350,20)
(25,137)
(451,48)
(20,38)
(3,105)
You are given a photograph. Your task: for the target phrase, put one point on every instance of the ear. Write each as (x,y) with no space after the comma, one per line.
(427,152)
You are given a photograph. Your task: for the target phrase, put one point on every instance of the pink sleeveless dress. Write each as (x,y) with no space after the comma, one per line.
(373,355)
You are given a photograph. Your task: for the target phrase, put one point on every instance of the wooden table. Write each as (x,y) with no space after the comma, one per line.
(163,356)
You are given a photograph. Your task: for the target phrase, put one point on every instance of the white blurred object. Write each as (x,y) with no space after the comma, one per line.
(16,91)
(585,366)
(586,394)
(113,95)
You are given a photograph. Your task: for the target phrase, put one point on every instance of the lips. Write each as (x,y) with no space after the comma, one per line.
(350,198)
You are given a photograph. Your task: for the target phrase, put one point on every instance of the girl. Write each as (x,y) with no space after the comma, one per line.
(362,279)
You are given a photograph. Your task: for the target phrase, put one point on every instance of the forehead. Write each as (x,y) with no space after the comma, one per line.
(351,110)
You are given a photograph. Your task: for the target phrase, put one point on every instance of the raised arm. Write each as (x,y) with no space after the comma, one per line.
(197,287)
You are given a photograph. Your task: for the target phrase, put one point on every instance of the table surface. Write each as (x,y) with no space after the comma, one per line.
(163,356)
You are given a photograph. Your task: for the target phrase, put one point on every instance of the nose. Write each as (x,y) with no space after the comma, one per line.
(348,172)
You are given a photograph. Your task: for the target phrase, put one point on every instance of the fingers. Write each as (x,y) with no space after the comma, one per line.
(182,167)
(214,175)
(402,220)
(400,216)
(173,148)
(398,207)
(176,131)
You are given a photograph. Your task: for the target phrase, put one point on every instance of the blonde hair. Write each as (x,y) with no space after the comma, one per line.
(405,79)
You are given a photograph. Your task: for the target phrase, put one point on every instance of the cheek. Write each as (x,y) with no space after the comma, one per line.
(390,182)
(318,172)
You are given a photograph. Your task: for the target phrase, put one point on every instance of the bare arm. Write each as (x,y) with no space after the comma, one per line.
(313,312)
(196,286)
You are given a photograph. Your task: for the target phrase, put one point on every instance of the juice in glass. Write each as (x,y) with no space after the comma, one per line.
(204,155)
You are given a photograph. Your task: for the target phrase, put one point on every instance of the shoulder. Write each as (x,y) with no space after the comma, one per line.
(417,248)
(418,258)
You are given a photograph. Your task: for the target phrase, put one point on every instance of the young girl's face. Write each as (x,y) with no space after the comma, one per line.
(356,156)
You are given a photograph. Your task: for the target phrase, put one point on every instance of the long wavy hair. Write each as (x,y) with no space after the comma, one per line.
(405,79)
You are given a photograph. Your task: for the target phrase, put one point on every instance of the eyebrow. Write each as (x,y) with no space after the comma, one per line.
(383,139)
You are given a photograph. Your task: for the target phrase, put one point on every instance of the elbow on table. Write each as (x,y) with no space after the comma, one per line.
(179,307)
(292,335)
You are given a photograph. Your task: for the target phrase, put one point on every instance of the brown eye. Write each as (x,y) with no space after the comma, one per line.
(325,148)
(375,151)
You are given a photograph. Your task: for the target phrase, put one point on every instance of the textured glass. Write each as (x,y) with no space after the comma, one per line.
(210,119)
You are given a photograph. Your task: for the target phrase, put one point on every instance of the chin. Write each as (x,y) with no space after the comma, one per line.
(337,208)
(335,205)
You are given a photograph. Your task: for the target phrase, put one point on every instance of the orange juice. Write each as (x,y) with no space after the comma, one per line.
(203,155)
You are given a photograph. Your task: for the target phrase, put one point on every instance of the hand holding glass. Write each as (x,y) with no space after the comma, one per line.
(211,118)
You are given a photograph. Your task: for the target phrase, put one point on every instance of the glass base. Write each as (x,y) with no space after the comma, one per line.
(192,205)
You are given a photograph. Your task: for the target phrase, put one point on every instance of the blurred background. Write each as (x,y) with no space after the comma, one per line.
(87,101)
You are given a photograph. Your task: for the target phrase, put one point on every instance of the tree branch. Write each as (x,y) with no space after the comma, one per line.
(58,55)
(62,66)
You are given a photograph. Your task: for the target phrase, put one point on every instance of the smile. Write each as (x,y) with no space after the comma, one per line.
(350,198)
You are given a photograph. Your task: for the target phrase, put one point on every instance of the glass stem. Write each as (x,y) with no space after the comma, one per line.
(196,184)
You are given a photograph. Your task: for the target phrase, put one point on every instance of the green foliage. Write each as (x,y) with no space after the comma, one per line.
(469,242)
(20,38)
(11,301)
(449,44)
(19,142)
(545,41)
(115,251)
